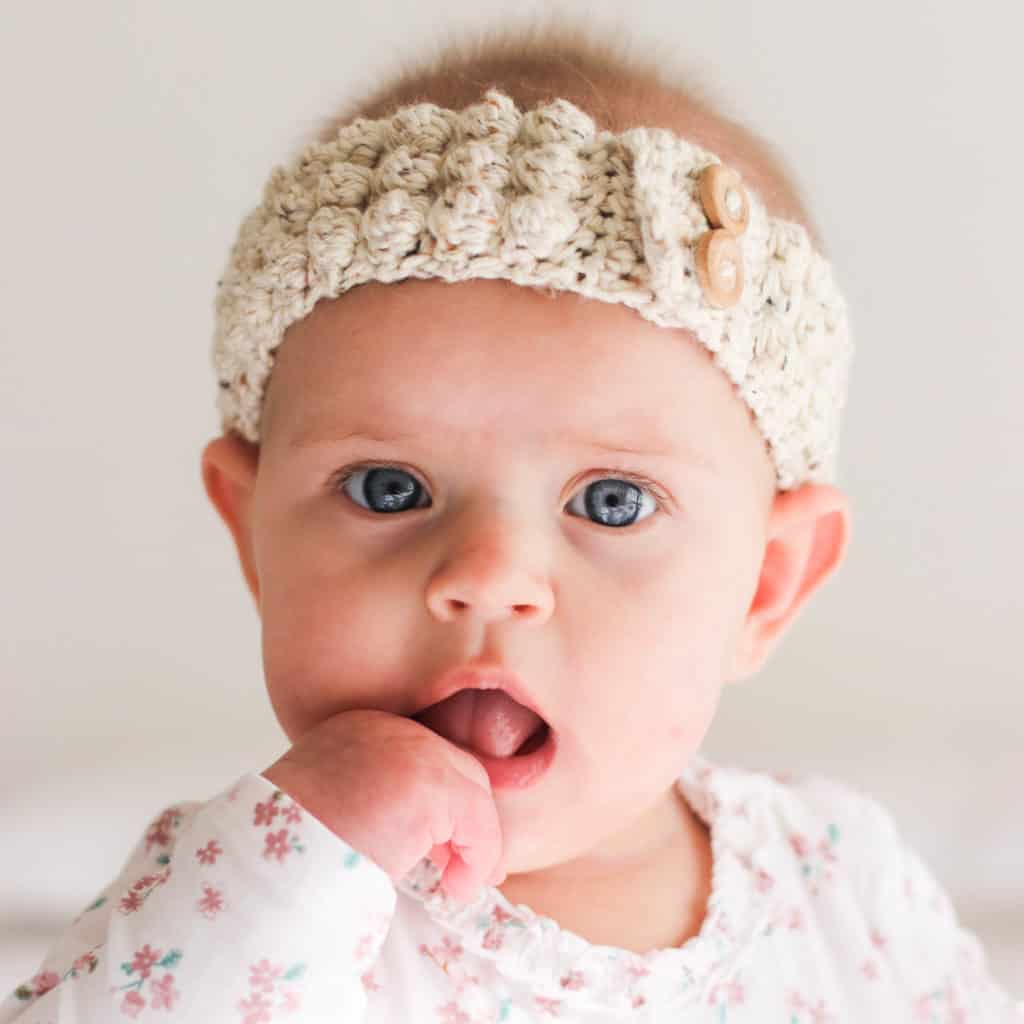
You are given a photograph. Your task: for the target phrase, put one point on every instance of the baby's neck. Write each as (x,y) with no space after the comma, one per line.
(658,903)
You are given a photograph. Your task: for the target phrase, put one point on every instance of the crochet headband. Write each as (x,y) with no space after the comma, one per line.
(541,198)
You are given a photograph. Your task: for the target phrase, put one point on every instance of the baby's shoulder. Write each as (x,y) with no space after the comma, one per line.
(868,893)
(838,846)
(831,838)
(812,808)
(824,809)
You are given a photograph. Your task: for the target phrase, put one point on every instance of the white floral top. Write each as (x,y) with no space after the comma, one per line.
(247,908)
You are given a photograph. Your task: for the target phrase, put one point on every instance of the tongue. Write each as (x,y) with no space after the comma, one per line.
(486,722)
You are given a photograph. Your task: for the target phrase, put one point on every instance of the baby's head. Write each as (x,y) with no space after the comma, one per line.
(475,469)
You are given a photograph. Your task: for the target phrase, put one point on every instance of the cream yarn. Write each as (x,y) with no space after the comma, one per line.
(541,198)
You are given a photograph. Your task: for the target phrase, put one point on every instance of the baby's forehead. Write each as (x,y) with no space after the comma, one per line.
(511,344)
(437,364)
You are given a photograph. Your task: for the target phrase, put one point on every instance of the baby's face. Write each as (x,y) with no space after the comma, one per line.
(503,543)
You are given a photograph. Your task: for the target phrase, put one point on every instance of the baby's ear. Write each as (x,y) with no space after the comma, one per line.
(807,535)
(229,468)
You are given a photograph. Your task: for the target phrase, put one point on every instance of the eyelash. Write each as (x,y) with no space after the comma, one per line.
(337,479)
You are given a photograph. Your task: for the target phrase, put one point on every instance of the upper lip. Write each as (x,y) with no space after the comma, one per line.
(479,675)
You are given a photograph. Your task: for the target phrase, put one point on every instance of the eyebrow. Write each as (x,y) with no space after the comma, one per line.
(661,450)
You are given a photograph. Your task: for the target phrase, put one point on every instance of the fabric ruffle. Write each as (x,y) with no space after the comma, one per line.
(553,962)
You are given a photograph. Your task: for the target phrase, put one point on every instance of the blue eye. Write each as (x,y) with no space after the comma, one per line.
(613,501)
(388,487)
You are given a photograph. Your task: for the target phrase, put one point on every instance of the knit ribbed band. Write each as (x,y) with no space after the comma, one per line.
(541,198)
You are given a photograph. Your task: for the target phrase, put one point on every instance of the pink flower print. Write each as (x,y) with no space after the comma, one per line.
(211,903)
(637,970)
(877,938)
(573,981)
(869,969)
(263,975)
(144,960)
(800,845)
(43,982)
(291,1001)
(820,1014)
(723,924)
(159,832)
(88,959)
(265,813)
(156,836)
(448,952)
(163,993)
(132,1003)
(728,993)
(369,984)
(131,902)
(796,1001)
(764,881)
(277,844)
(256,1009)
(811,870)
(796,919)
(928,1006)
(141,889)
(494,938)
(451,1014)
(549,1006)
(292,814)
(209,853)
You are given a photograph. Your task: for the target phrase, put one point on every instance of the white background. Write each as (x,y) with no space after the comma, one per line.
(136,136)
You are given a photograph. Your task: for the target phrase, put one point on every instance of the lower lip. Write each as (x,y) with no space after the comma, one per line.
(520,771)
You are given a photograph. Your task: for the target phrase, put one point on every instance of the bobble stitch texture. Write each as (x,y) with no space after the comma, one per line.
(543,198)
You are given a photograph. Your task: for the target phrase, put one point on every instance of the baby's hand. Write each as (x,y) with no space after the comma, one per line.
(397,792)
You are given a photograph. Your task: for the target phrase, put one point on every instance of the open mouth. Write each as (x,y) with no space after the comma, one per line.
(526,766)
(487,721)
(514,744)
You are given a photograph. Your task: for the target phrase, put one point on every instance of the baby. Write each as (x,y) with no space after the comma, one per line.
(545,459)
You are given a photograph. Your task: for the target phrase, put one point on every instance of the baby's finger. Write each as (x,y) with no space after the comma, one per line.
(476,841)
(440,855)
(466,764)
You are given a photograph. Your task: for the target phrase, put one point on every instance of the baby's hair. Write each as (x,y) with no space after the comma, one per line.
(541,60)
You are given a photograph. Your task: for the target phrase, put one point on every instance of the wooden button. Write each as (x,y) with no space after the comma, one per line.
(720,268)
(724,199)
